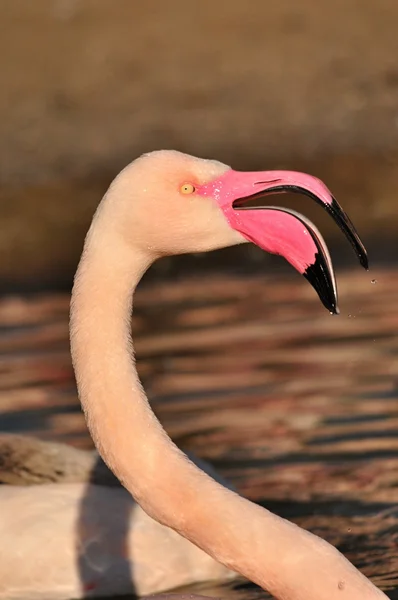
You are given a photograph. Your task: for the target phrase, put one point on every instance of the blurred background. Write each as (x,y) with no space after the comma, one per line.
(87,85)
(241,362)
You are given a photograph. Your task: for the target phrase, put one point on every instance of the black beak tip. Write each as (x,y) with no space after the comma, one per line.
(363,259)
(321,280)
(331,306)
(348,228)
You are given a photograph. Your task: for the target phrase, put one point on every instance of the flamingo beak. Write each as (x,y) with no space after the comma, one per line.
(282,231)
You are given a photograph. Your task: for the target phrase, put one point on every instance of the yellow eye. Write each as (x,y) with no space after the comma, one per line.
(187,188)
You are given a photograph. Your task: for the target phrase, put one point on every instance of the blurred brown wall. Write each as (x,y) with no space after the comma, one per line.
(86,85)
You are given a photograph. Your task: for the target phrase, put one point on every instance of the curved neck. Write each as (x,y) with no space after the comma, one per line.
(288,561)
(120,419)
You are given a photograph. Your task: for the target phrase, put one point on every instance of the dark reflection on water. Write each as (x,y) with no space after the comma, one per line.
(90,559)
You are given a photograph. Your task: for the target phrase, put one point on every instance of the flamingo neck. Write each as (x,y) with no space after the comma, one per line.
(122,424)
(277,555)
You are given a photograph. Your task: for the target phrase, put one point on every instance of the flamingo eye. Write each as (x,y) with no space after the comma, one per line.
(187,188)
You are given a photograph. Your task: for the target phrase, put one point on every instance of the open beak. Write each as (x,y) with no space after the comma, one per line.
(282,231)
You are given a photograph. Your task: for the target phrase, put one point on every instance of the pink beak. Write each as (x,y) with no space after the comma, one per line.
(283,231)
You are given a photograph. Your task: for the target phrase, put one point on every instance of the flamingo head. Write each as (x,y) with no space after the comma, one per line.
(178,204)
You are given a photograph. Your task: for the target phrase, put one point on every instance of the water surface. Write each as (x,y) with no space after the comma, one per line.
(299,409)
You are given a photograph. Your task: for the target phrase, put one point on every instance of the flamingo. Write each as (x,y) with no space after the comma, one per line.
(168,203)
(68,530)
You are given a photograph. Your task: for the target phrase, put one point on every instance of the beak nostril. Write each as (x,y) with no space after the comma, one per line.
(267,182)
